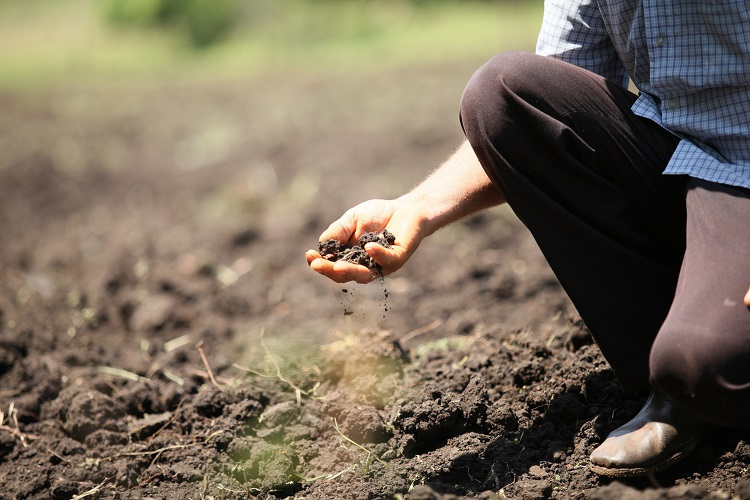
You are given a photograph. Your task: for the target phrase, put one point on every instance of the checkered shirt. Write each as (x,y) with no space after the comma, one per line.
(690,60)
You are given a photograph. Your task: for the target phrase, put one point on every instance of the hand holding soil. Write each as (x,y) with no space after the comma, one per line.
(371,218)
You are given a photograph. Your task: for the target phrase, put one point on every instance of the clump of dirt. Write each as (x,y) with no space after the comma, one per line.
(333,250)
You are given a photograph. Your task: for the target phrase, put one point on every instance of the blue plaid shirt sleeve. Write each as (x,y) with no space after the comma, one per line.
(689,60)
(574,31)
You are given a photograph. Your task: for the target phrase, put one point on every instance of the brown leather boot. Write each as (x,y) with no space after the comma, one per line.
(659,436)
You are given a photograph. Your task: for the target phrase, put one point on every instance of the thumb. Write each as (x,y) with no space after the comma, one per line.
(386,257)
(747,298)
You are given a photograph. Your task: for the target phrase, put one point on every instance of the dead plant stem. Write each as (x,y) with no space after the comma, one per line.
(169,422)
(92,491)
(199,346)
(146,453)
(369,453)
(298,391)
(16,429)
(421,331)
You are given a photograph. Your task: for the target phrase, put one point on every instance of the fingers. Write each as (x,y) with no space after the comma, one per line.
(747,298)
(390,259)
(370,216)
(311,255)
(342,229)
(342,271)
(352,272)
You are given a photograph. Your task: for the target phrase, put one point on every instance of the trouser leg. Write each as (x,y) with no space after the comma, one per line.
(584,175)
(701,356)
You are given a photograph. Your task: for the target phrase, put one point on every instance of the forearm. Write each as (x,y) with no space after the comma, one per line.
(459,187)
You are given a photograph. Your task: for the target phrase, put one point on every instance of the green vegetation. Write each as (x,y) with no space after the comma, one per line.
(205,21)
(47,43)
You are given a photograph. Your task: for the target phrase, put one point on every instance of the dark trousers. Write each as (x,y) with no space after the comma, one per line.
(656,265)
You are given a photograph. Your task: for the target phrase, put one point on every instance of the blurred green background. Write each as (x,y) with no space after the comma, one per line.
(47,43)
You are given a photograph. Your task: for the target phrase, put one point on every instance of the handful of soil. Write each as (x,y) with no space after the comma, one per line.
(333,250)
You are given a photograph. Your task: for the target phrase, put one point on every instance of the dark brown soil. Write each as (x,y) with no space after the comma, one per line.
(137,225)
(334,250)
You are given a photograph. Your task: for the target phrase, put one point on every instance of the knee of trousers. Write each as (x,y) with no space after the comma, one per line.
(705,368)
(484,100)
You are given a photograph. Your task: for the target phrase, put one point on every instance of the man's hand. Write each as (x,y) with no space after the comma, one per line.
(405,219)
(747,298)
(459,187)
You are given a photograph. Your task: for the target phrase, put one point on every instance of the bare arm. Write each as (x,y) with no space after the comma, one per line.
(459,187)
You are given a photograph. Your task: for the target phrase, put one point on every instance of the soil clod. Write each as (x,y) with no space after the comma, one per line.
(333,250)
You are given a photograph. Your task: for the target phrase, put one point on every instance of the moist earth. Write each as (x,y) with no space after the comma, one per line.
(333,250)
(162,337)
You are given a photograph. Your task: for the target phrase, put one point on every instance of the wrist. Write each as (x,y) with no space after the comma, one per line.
(426,212)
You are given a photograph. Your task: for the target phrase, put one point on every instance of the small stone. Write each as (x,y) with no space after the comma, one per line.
(537,471)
